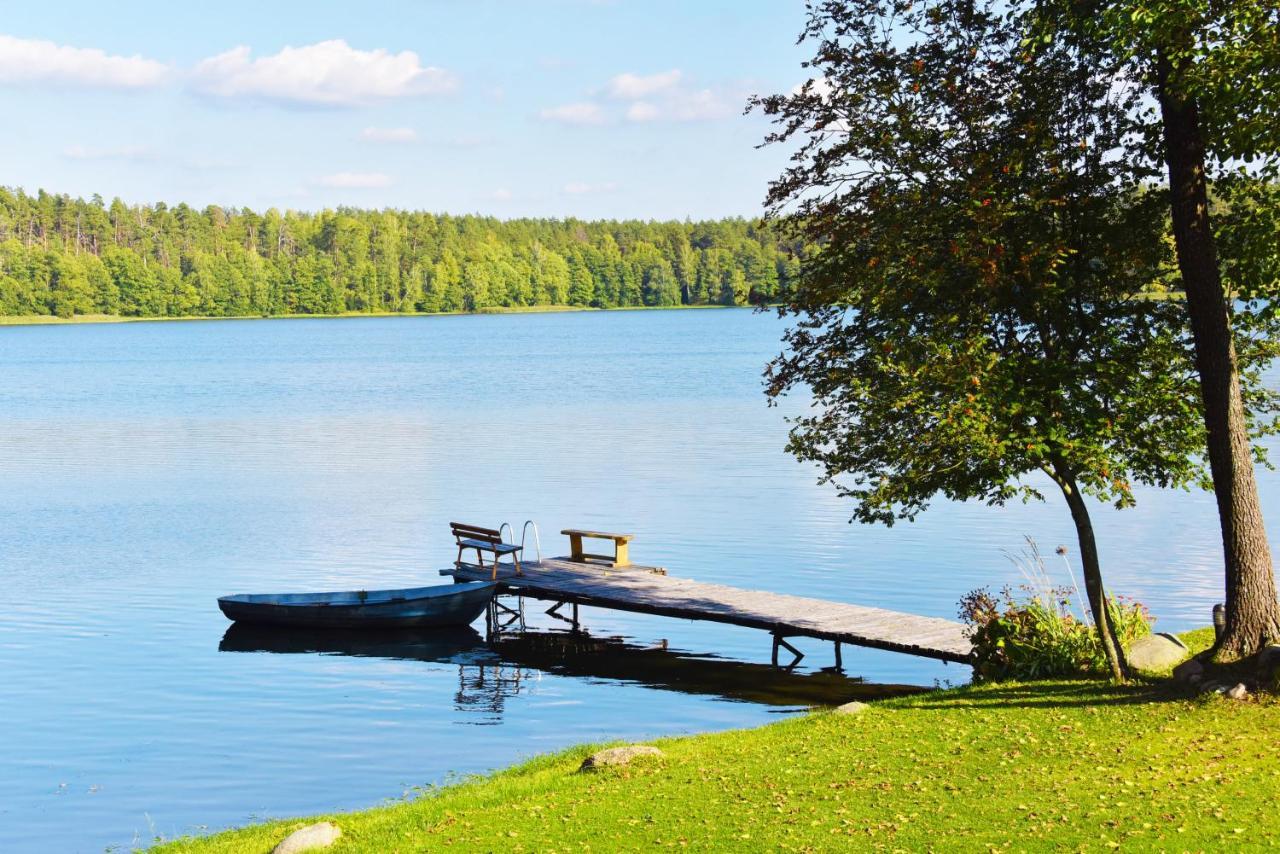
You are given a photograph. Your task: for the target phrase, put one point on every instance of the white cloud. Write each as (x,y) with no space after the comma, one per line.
(665,96)
(389,135)
(632,87)
(329,73)
(682,106)
(582,113)
(820,86)
(643,111)
(581,188)
(355,180)
(502,194)
(124,152)
(35,61)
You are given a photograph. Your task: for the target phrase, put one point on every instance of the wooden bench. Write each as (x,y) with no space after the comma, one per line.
(618,558)
(484,540)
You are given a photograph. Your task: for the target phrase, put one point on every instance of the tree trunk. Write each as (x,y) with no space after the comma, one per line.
(1093,588)
(1253,613)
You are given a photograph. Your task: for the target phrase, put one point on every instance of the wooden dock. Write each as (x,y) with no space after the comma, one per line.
(648,590)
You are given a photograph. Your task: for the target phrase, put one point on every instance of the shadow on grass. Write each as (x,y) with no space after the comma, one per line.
(1062,694)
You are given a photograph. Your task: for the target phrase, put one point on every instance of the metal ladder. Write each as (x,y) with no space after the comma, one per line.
(524,533)
(501,617)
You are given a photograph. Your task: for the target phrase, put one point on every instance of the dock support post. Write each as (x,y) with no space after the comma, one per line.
(501,617)
(554,611)
(778,641)
(839,663)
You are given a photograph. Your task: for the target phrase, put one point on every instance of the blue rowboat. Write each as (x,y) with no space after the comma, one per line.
(418,607)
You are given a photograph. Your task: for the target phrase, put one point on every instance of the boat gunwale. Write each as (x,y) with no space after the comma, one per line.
(398,597)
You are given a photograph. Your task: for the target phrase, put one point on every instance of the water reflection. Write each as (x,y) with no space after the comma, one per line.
(444,645)
(485,681)
(614,658)
(485,688)
(491,672)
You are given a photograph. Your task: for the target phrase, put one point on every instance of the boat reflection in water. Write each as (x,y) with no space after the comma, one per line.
(491,672)
(485,681)
(417,645)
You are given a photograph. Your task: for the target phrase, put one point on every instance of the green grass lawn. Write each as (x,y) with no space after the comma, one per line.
(1080,765)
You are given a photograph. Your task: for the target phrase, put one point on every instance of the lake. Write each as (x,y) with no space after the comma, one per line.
(147,468)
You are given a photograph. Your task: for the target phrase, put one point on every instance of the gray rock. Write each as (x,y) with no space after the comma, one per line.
(1189,672)
(309,838)
(1237,692)
(854,708)
(1156,652)
(616,756)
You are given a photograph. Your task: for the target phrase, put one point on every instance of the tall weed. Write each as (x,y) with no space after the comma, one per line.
(1032,632)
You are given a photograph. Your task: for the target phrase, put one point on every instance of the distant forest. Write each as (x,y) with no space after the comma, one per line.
(65,256)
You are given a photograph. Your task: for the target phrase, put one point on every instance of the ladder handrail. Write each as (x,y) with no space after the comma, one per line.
(537,541)
(506,526)
(524,533)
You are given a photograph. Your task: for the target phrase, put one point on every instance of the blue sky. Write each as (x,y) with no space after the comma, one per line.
(630,108)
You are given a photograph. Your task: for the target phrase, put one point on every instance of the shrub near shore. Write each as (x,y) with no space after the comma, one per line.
(1039,637)
(1079,764)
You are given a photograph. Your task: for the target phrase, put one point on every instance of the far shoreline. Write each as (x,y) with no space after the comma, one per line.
(79,319)
(54,320)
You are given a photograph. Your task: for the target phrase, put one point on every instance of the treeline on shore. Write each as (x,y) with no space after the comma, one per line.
(66,256)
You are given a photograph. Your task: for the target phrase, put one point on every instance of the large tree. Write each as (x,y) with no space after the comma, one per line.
(970,318)
(1211,69)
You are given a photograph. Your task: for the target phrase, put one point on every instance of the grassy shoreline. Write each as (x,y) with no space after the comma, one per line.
(51,320)
(1078,764)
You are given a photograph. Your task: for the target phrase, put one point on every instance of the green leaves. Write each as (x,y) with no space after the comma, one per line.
(69,256)
(971,316)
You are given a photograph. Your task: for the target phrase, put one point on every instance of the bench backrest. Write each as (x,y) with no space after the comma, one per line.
(463,531)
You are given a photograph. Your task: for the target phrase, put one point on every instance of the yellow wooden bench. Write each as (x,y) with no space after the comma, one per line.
(619,557)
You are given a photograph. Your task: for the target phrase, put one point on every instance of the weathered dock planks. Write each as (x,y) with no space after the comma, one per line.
(641,589)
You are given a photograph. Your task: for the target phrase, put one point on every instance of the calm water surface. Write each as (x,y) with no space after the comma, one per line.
(146,469)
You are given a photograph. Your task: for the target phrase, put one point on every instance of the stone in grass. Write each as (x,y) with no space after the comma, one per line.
(1156,652)
(616,756)
(309,838)
(853,708)
(1236,691)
